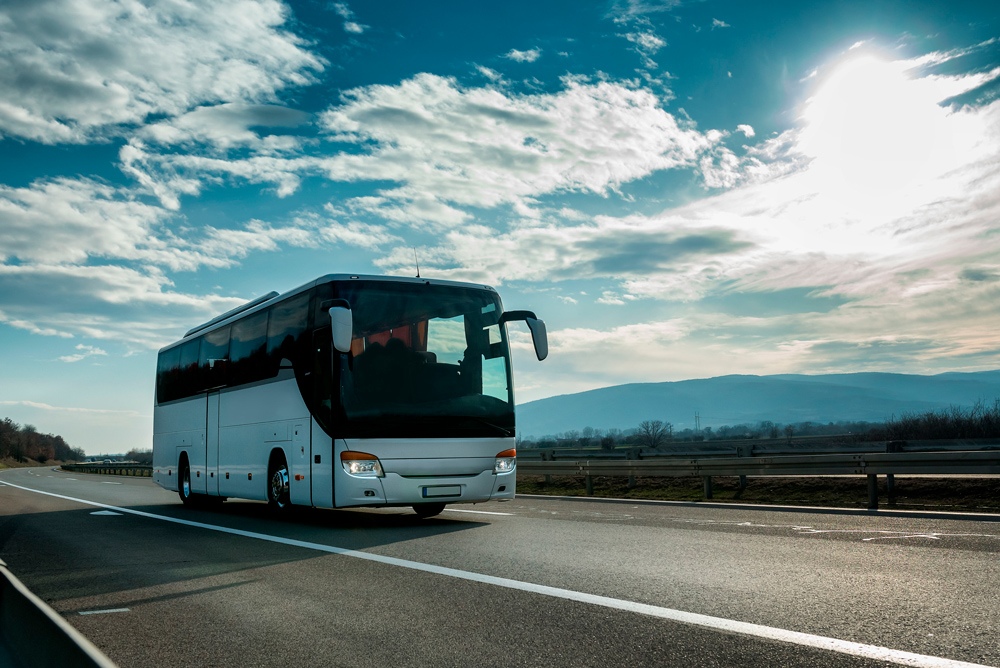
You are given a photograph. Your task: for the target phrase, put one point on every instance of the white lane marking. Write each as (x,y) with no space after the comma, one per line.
(105,482)
(106,512)
(705,621)
(70,478)
(477,512)
(103,612)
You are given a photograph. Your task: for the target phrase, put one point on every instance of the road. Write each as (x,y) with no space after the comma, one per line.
(532,582)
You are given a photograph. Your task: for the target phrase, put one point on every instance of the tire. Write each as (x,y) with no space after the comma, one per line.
(277,484)
(184,483)
(425,510)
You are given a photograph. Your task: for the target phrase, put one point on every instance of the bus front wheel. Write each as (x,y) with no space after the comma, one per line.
(428,509)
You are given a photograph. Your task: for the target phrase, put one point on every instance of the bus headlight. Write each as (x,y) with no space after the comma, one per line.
(361,464)
(505,461)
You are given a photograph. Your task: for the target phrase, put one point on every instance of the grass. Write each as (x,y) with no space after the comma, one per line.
(952,494)
(11,463)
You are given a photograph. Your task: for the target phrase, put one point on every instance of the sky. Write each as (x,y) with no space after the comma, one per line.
(679,189)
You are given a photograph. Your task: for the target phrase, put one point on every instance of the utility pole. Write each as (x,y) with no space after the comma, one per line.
(697,422)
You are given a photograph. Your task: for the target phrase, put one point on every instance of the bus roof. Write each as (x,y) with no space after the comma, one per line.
(259,303)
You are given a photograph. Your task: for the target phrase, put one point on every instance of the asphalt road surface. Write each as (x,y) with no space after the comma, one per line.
(532,582)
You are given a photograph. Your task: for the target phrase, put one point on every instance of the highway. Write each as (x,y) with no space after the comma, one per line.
(532,582)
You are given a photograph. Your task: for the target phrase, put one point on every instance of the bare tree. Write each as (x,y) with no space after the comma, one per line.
(651,433)
(789,431)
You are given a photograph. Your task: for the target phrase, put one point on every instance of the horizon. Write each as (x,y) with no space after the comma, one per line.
(680,191)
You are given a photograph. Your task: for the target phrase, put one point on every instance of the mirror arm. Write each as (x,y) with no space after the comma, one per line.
(510,316)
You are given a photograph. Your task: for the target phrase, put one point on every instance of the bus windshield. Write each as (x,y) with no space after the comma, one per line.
(425,360)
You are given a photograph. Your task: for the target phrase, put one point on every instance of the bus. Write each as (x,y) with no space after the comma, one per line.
(348,391)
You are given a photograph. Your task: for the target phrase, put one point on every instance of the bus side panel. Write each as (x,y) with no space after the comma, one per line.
(212,446)
(242,462)
(300,490)
(322,467)
(254,421)
(177,428)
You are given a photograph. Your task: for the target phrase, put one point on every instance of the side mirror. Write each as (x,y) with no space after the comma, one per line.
(538,334)
(341,325)
(539,337)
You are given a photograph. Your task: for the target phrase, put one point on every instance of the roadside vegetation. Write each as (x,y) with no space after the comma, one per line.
(22,445)
(981,420)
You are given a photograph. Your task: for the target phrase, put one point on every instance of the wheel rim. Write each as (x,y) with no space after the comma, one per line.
(186,482)
(279,486)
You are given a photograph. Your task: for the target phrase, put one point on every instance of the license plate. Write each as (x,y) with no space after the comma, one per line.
(443,490)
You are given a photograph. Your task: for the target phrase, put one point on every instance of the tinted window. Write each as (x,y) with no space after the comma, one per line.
(284,332)
(214,358)
(167,374)
(248,350)
(190,379)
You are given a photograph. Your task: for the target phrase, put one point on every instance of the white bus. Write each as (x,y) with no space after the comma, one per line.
(348,391)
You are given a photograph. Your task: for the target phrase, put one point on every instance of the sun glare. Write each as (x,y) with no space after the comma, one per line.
(875,130)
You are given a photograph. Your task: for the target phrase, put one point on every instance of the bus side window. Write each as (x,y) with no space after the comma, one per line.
(167,373)
(189,378)
(285,330)
(248,350)
(214,358)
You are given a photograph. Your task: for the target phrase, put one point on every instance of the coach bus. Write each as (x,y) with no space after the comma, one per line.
(348,391)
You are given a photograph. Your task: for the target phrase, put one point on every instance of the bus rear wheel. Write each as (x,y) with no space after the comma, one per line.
(184,483)
(424,510)
(277,484)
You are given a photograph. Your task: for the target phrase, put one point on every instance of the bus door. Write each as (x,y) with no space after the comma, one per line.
(321,445)
(212,443)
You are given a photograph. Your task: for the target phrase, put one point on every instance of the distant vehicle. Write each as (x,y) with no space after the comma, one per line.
(347,391)
(106,461)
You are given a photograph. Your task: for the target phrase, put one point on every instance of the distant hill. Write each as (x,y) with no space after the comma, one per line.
(732,400)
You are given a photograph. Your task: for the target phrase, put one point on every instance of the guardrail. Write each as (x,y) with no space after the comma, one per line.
(870,464)
(33,634)
(757,448)
(140,470)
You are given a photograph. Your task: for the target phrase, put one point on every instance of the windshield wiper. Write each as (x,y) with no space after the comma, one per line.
(503,430)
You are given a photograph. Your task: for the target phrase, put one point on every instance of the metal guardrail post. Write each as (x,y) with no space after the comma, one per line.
(708,486)
(872,491)
(33,634)
(590,485)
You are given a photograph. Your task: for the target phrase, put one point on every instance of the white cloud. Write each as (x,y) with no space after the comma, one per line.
(65,220)
(492,75)
(482,147)
(350,24)
(529,56)
(225,127)
(132,307)
(746,130)
(717,23)
(621,249)
(647,42)
(609,297)
(78,70)
(85,352)
(71,409)
(629,10)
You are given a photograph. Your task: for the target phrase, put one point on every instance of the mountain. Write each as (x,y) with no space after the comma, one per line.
(732,400)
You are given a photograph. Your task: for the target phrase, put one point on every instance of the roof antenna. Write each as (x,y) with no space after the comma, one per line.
(417,262)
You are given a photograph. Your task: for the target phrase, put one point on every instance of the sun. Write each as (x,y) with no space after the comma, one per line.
(874,129)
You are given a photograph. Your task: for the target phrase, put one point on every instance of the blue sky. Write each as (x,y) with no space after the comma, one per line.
(681,190)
